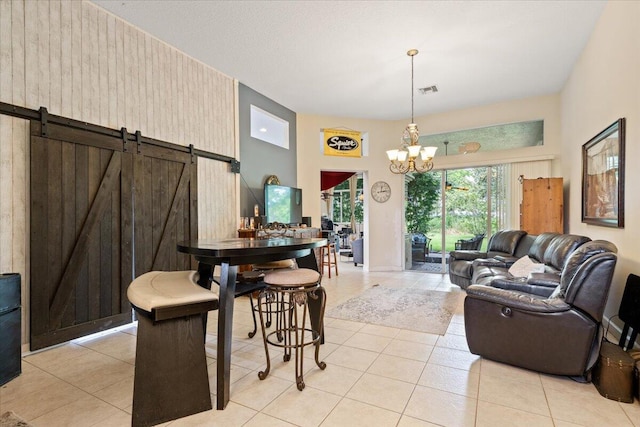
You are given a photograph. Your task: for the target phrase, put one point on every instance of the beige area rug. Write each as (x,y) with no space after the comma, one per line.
(413,309)
(10,419)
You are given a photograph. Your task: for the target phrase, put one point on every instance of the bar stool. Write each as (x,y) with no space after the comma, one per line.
(328,249)
(292,288)
(170,379)
(256,275)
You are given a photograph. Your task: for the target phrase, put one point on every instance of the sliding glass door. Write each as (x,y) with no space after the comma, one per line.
(454,207)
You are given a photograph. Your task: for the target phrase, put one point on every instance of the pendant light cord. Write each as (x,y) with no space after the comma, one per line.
(412,88)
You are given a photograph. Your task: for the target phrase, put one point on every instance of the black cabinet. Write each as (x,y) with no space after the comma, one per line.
(10,324)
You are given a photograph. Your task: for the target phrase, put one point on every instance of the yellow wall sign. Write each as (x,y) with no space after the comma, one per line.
(345,143)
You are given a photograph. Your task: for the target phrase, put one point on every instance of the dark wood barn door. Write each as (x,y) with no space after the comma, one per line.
(165,208)
(96,210)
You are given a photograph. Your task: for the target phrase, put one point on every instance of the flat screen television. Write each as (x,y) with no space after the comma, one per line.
(283,204)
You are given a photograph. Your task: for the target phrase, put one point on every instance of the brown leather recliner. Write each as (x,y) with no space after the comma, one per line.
(504,242)
(559,334)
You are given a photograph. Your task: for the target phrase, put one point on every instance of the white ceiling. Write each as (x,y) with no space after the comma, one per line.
(348,58)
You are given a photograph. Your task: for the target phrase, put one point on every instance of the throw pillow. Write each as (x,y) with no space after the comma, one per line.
(524,267)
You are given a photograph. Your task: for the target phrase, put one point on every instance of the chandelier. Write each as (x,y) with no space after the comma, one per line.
(411,156)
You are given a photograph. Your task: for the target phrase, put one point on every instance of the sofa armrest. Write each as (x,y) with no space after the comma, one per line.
(550,280)
(517,300)
(507,260)
(522,285)
(467,255)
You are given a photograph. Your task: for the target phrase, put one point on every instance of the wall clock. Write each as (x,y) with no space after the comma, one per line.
(380,191)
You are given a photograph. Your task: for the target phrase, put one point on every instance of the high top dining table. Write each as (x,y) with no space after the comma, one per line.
(228,254)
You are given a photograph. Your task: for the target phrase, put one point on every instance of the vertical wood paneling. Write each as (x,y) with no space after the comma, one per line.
(142,85)
(180,98)
(20,182)
(55,58)
(66,49)
(17,37)
(103,67)
(155,86)
(95,168)
(68,216)
(148,62)
(175,135)
(189,101)
(206,104)
(54,202)
(82,206)
(94,77)
(126,229)
(161,113)
(31,37)
(42,68)
(76,59)
(6,134)
(112,119)
(130,78)
(120,75)
(85,53)
(164,90)
(39,159)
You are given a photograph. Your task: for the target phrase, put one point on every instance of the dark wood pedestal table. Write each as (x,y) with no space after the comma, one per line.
(228,254)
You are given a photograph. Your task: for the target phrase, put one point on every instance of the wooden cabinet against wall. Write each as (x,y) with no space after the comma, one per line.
(542,208)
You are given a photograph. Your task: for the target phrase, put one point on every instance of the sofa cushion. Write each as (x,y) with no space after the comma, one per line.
(539,246)
(560,247)
(505,241)
(485,274)
(524,245)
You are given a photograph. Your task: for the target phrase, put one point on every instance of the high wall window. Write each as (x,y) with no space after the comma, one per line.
(269,128)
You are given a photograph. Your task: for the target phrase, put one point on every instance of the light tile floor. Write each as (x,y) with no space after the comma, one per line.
(375,376)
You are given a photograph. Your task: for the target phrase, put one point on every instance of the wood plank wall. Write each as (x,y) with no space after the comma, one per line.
(79,61)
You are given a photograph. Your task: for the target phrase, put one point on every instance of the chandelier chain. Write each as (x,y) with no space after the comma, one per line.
(412,88)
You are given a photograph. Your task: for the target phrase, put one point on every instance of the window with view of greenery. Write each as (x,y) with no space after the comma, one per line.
(467,204)
(342,202)
(422,202)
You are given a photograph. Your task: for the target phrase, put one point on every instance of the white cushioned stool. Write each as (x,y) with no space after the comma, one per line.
(171,379)
(292,290)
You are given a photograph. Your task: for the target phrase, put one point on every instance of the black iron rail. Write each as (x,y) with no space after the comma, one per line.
(42,115)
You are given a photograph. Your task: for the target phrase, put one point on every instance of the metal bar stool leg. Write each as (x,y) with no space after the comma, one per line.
(262,302)
(295,289)
(318,334)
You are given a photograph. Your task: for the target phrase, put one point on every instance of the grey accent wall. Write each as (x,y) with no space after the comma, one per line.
(259,159)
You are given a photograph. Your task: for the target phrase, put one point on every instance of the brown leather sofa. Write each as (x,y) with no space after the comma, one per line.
(506,243)
(557,334)
(504,248)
